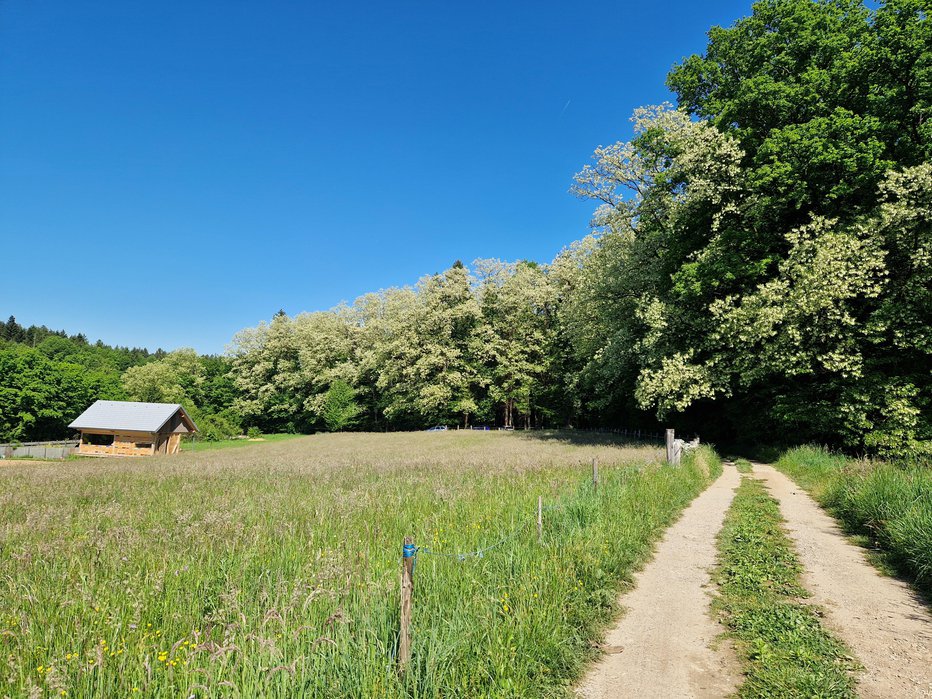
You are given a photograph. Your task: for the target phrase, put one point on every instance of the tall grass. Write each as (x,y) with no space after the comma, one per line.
(274,571)
(890,504)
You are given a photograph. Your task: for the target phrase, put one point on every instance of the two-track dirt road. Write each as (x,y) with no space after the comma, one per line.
(667,644)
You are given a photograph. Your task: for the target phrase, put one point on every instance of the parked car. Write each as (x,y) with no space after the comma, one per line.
(438,428)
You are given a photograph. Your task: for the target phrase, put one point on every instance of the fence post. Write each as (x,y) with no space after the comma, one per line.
(670,446)
(595,475)
(540,518)
(407,585)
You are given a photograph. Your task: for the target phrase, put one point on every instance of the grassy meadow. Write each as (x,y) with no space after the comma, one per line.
(889,505)
(210,445)
(274,570)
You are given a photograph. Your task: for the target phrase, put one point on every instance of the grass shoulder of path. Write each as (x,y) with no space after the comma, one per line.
(890,505)
(785,649)
(274,571)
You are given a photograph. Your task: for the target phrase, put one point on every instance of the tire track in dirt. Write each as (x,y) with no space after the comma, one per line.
(881,619)
(662,646)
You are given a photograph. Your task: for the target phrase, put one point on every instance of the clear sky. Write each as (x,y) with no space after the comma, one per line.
(172,172)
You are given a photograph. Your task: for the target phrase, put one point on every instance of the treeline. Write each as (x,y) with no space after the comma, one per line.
(75,348)
(460,348)
(47,378)
(760,270)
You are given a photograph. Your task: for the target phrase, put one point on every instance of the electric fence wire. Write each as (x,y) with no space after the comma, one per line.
(478,553)
(413,551)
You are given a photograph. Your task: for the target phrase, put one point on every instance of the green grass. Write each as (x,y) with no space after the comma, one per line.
(785,650)
(207,445)
(888,505)
(274,571)
(743,465)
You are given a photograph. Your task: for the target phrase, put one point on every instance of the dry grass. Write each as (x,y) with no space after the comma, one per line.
(272,570)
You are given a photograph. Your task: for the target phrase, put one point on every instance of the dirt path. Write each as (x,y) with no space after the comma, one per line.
(661,647)
(881,619)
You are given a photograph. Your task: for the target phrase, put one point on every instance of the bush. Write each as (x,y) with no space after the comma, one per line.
(706,459)
(213,427)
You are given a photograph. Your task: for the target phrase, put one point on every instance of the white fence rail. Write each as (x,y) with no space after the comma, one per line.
(38,450)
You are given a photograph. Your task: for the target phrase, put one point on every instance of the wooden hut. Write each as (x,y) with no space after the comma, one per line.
(122,428)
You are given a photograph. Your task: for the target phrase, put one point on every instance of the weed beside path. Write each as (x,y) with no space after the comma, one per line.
(786,650)
(274,571)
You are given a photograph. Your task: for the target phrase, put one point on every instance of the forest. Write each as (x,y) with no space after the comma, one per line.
(759,270)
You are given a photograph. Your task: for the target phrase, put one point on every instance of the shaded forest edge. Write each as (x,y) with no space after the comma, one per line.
(759,271)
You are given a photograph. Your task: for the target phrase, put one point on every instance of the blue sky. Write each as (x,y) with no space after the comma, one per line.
(173,172)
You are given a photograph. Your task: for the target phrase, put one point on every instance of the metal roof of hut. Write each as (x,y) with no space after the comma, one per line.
(130,416)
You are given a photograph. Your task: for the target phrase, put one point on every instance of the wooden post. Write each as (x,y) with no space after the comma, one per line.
(540,518)
(407,586)
(595,475)
(669,446)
